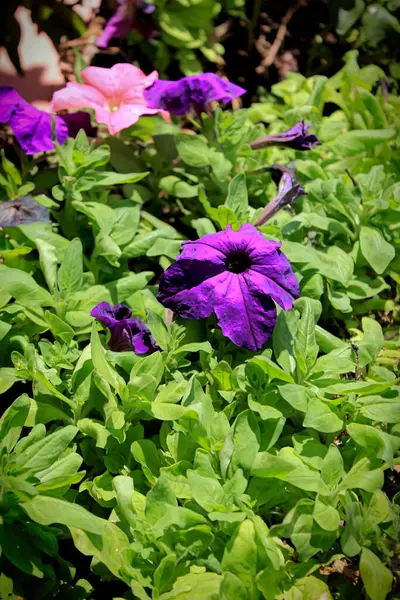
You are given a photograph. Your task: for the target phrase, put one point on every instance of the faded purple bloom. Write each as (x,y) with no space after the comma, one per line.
(76,121)
(124,19)
(235,274)
(127,332)
(22,211)
(288,192)
(196,90)
(296,137)
(33,127)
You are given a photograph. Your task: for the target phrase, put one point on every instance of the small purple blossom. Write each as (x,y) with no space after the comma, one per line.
(127,332)
(297,137)
(22,211)
(235,274)
(33,127)
(195,90)
(126,17)
(288,192)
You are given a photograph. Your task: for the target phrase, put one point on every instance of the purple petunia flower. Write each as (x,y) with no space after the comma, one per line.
(288,192)
(127,332)
(22,211)
(235,274)
(124,19)
(296,137)
(195,90)
(33,127)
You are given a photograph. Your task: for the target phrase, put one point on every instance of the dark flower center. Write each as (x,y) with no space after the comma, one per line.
(123,312)
(238,262)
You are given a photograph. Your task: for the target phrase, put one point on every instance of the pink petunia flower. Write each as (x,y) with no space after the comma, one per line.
(116,95)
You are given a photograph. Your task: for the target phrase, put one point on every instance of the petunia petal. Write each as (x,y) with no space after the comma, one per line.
(245,313)
(183,276)
(120,81)
(79,95)
(9,100)
(33,129)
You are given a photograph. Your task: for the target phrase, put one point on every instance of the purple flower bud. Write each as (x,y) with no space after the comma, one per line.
(127,332)
(288,192)
(238,275)
(195,90)
(296,137)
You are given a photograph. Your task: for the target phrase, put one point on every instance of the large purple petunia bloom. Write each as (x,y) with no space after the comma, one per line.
(235,274)
(33,127)
(297,137)
(127,332)
(195,90)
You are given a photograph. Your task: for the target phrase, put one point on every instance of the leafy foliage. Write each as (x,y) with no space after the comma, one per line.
(202,470)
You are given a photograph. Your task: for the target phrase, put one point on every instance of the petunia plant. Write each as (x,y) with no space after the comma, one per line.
(199,344)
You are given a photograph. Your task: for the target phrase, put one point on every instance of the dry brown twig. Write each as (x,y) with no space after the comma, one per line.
(272,52)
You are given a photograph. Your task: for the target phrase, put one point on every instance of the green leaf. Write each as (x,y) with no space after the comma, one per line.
(100,362)
(237,199)
(45,452)
(240,557)
(283,338)
(332,469)
(48,262)
(70,273)
(376,408)
(23,288)
(92,535)
(347,18)
(375,576)
(384,444)
(12,421)
(321,417)
(195,586)
(360,476)
(375,249)
(145,452)
(176,187)
(193,149)
(268,466)
(207,491)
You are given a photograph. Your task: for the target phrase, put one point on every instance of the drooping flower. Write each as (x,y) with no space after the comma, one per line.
(127,332)
(22,211)
(297,137)
(195,90)
(235,274)
(33,127)
(288,192)
(126,17)
(116,95)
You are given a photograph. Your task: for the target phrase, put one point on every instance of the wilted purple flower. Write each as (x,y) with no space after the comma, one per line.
(195,90)
(296,137)
(22,211)
(124,19)
(288,192)
(76,121)
(127,332)
(33,127)
(235,274)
